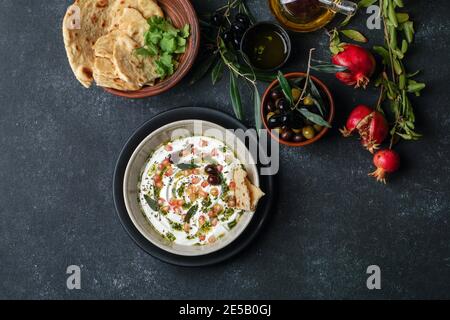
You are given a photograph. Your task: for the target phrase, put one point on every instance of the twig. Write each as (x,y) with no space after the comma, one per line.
(380,98)
(306,80)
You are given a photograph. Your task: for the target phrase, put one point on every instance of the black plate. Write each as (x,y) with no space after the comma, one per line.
(255,225)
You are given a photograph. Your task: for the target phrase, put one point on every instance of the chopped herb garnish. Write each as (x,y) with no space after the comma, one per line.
(206,227)
(232,224)
(170,237)
(190,213)
(175,225)
(227,214)
(187,166)
(206,203)
(180,190)
(165,42)
(152,203)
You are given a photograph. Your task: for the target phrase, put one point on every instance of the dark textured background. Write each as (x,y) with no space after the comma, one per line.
(59,143)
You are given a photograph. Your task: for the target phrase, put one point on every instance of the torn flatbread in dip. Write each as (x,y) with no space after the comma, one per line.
(247,194)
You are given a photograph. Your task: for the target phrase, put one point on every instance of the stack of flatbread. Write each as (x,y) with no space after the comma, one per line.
(100,37)
(247,195)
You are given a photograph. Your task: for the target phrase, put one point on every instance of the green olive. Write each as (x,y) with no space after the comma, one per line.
(297,130)
(269,115)
(318,128)
(296,93)
(308,132)
(308,101)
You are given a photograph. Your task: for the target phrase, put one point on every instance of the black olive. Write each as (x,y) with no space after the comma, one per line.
(278,120)
(274,121)
(282,104)
(217,19)
(276,94)
(238,36)
(271,106)
(238,28)
(243,18)
(211,169)
(227,36)
(236,43)
(213,180)
(296,120)
(284,119)
(286,134)
(298,137)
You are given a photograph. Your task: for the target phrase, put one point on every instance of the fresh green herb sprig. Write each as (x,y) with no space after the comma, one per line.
(395,82)
(164,42)
(221,57)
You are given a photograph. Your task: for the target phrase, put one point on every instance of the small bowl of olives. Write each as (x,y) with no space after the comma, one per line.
(295,113)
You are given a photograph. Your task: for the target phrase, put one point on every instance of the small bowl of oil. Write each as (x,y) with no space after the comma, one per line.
(266,46)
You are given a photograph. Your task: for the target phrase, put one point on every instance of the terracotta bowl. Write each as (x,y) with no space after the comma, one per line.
(322,88)
(181,12)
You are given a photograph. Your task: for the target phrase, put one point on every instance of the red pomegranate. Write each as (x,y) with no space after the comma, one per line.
(386,161)
(360,65)
(370,124)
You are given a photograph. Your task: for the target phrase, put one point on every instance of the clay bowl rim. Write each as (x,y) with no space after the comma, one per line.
(324,89)
(184,67)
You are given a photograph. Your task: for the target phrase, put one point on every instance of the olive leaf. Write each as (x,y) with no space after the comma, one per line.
(244,8)
(260,76)
(223,56)
(318,101)
(354,35)
(329,68)
(366,3)
(297,82)
(217,71)
(257,107)
(408,29)
(384,53)
(152,202)
(414,87)
(402,17)
(319,106)
(235,96)
(190,213)
(315,118)
(285,87)
(392,15)
(203,69)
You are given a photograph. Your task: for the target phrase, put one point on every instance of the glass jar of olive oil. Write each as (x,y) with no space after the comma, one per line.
(309,15)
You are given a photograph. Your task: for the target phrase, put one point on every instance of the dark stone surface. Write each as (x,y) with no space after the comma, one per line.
(59,143)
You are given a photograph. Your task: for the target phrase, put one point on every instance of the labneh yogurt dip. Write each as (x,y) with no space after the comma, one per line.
(187,192)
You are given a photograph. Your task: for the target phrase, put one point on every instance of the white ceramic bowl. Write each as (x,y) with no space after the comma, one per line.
(138,160)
